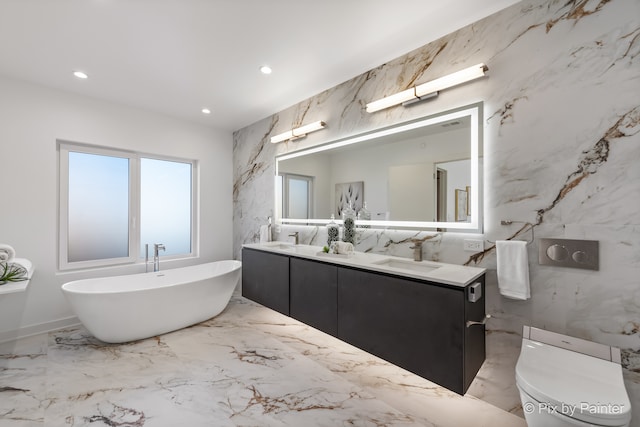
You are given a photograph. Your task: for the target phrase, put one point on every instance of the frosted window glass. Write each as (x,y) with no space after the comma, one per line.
(165,206)
(98,207)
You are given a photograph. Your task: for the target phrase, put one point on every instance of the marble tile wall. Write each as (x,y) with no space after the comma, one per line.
(561,145)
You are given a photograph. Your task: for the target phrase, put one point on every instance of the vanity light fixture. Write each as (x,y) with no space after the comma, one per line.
(298,132)
(81,75)
(428,90)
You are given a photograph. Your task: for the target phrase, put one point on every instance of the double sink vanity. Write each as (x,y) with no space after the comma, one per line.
(423,174)
(426,317)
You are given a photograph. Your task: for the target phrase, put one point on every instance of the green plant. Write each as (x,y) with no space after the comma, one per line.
(10,272)
(325,249)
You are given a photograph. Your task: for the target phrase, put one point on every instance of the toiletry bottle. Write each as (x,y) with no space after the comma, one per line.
(333,232)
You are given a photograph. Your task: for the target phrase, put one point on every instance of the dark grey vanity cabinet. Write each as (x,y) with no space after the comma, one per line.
(417,325)
(313,294)
(265,279)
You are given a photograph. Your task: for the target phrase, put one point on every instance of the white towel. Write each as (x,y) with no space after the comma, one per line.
(513,269)
(345,248)
(265,233)
(7,253)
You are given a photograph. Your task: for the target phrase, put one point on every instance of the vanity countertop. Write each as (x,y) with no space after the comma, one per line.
(449,274)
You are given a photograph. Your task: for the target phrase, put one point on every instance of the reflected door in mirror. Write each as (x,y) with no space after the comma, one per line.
(297,195)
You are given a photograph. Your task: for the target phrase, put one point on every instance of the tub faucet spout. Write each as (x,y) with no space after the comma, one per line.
(156,257)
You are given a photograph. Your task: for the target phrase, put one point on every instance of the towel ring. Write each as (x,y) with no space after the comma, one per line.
(509,222)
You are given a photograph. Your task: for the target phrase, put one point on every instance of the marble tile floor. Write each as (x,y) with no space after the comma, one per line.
(249,366)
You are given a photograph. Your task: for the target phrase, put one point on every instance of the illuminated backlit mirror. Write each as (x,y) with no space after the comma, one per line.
(423,174)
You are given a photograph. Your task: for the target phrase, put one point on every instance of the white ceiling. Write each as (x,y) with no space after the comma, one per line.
(178,56)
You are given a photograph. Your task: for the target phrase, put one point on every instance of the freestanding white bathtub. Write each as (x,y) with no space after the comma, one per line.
(127,308)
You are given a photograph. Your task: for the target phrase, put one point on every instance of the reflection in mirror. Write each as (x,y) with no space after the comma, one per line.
(420,174)
(296,195)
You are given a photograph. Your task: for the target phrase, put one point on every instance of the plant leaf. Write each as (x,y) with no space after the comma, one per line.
(10,272)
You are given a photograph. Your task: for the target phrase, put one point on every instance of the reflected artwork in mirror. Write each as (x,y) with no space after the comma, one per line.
(424,174)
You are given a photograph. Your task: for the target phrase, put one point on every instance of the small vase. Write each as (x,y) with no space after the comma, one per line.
(333,232)
(349,229)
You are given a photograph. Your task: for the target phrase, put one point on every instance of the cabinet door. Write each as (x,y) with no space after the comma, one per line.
(265,279)
(314,294)
(415,325)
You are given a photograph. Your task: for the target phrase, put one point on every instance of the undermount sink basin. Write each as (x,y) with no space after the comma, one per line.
(285,246)
(280,245)
(418,266)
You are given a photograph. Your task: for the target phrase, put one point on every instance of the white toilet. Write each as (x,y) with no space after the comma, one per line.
(566,381)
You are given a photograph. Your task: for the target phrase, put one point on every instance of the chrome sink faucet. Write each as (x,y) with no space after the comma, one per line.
(417,250)
(156,257)
(295,236)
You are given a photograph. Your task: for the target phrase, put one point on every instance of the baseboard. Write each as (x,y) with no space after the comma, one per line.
(40,328)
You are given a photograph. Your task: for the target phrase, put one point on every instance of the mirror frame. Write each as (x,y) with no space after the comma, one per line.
(474,111)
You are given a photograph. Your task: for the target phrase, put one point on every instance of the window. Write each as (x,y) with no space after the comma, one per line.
(98,207)
(166,205)
(114,202)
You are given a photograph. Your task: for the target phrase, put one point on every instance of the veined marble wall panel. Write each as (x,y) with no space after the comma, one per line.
(562,149)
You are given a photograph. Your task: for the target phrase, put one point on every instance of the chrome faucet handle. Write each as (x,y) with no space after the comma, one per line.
(417,242)
(295,235)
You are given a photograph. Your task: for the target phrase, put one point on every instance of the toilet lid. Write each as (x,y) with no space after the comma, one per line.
(580,386)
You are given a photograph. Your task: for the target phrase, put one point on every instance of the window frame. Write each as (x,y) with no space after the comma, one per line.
(63,149)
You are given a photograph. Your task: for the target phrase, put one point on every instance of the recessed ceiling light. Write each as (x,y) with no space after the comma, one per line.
(80,75)
(206,111)
(265,69)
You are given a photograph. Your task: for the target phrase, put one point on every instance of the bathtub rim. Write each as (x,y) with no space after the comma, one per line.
(67,287)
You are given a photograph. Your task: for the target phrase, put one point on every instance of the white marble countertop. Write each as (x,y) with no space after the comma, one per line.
(449,274)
